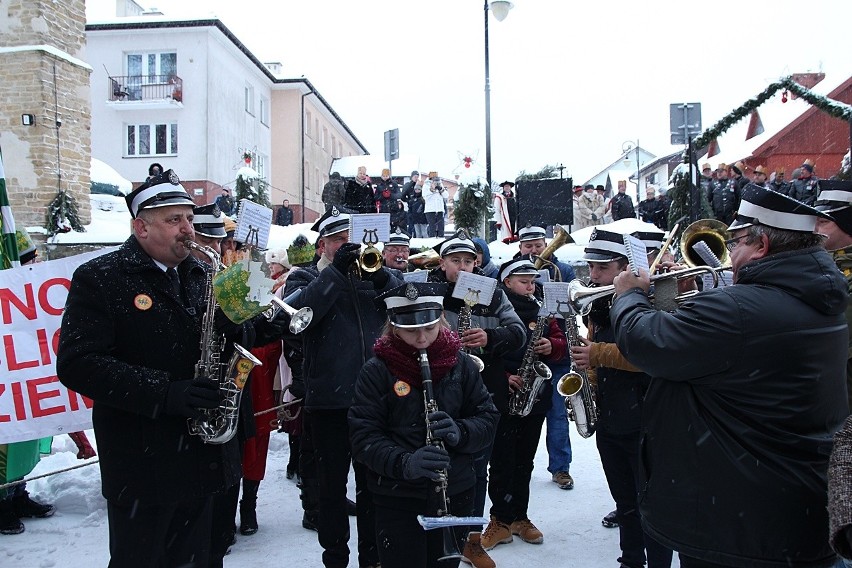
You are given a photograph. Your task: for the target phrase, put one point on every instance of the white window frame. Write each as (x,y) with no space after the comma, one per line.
(249,95)
(264,111)
(172,139)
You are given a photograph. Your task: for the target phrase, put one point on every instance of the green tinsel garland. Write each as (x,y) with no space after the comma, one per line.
(834,108)
(62,215)
(472,207)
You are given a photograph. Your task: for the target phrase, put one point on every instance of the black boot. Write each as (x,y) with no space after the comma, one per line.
(248,513)
(10,523)
(26,507)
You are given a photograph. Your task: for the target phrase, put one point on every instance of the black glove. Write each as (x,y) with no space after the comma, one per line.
(267,331)
(425,462)
(445,428)
(379,278)
(345,256)
(189,397)
(594,217)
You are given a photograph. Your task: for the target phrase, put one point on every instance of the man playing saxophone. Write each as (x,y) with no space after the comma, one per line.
(130,342)
(517,433)
(621,387)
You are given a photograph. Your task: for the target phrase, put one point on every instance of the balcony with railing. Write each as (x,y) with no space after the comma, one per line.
(148,91)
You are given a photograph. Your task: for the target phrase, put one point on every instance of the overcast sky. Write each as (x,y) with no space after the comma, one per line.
(570,81)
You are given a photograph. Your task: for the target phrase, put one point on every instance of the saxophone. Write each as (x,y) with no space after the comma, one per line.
(534,374)
(465,314)
(575,387)
(218,425)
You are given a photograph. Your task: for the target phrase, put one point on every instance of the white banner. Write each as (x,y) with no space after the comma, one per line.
(33,403)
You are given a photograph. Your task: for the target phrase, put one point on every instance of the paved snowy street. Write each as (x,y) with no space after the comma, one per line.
(78,534)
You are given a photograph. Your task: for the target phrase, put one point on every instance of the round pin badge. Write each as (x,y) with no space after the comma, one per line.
(401,388)
(143,302)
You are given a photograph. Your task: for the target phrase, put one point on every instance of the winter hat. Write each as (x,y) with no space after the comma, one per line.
(760,170)
(808,165)
(278,256)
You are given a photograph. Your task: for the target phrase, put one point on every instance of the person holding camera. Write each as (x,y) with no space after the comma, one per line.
(433,195)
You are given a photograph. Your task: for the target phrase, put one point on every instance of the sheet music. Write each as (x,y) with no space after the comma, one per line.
(369,228)
(556,299)
(253,216)
(416,276)
(478,289)
(543,276)
(726,278)
(703,250)
(636,254)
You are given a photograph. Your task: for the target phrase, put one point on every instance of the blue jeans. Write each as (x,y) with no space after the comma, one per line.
(558,439)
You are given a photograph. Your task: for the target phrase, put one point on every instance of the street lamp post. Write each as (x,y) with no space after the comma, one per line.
(626,147)
(500,8)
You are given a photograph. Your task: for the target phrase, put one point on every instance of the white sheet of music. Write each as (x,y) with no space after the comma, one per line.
(475,288)
(416,276)
(369,228)
(253,216)
(555,299)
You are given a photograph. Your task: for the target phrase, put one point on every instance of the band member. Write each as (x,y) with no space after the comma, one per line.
(835,199)
(396,250)
(389,426)
(748,391)
(336,344)
(130,341)
(558,440)
(654,241)
(517,436)
(494,331)
(621,387)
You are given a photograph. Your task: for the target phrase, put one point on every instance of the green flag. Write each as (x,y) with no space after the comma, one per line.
(8,245)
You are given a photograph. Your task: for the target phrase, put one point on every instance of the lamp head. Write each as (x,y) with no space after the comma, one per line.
(500,9)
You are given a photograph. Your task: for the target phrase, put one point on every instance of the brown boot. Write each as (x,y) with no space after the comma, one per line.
(474,554)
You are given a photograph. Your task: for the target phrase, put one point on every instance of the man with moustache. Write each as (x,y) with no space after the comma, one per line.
(130,342)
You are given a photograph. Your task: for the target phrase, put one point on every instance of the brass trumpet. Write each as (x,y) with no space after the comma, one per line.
(581,296)
(370,259)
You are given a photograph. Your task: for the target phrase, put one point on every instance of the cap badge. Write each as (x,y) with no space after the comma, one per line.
(398,231)
(173,178)
(594,235)
(411,292)
(335,212)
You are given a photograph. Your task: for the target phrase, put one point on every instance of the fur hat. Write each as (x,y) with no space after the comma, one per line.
(760,170)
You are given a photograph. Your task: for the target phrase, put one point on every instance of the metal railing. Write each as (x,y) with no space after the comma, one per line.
(145,88)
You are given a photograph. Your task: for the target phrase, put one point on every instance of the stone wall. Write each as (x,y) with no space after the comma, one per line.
(42,74)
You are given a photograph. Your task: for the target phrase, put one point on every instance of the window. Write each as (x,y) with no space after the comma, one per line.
(316,128)
(307,174)
(152,67)
(152,139)
(334,145)
(308,130)
(264,111)
(249,99)
(324,138)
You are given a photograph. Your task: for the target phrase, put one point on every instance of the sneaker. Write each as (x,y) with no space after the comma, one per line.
(10,523)
(610,521)
(563,479)
(495,533)
(527,531)
(24,507)
(474,554)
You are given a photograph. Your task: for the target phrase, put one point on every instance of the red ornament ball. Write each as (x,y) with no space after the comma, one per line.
(247,159)
(784,97)
(467,161)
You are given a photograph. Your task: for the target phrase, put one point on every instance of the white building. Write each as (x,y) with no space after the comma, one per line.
(189,95)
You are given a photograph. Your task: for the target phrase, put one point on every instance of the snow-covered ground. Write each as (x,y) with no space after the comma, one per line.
(78,534)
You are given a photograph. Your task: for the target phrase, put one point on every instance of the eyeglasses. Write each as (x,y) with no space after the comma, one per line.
(730,244)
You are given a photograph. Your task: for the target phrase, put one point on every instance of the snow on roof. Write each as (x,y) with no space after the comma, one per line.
(104,173)
(774,115)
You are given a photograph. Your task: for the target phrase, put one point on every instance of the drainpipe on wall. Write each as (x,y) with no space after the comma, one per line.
(302,166)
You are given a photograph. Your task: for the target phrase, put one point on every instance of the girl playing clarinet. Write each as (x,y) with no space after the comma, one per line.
(388,422)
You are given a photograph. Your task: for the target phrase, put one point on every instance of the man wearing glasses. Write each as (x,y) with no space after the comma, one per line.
(747,390)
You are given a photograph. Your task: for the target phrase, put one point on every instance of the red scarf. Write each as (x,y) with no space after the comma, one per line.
(402,359)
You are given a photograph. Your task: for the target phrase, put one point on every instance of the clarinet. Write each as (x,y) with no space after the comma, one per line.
(440,487)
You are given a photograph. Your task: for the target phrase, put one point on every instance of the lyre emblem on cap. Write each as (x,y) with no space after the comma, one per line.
(398,231)
(173,178)
(594,235)
(462,234)
(334,211)
(411,292)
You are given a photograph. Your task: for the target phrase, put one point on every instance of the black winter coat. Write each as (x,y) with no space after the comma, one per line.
(725,200)
(386,427)
(805,190)
(125,337)
(748,389)
(340,338)
(621,207)
(359,198)
(387,194)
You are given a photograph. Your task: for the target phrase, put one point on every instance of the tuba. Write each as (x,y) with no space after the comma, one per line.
(534,374)
(575,387)
(709,231)
(218,425)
